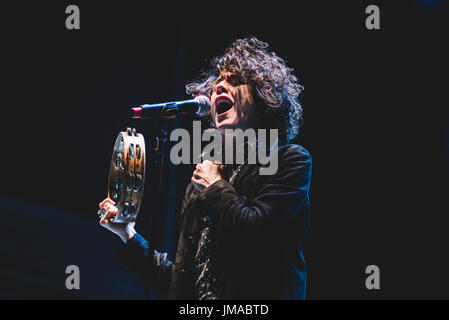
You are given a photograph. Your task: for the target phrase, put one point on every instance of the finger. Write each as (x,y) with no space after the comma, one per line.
(195,180)
(197,176)
(196,184)
(198,181)
(105,222)
(218,164)
(104,219)
(109,201)
(102,203)
(110,212)
(105,201)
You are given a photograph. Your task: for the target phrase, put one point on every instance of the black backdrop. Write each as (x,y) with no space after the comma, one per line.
(376,124)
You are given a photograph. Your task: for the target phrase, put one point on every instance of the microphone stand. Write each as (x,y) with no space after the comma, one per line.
(157,161)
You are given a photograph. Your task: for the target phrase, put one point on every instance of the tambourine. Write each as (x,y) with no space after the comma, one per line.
(126,176)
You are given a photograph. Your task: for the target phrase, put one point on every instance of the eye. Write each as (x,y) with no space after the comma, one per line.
(235,80)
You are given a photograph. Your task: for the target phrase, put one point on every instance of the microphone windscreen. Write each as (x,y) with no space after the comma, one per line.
(204,105)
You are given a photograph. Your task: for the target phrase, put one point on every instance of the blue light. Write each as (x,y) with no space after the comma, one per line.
(428,3)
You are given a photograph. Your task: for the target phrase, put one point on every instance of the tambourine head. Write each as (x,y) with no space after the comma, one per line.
(127,175)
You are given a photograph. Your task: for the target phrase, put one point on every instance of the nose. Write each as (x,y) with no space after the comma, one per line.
(221,88)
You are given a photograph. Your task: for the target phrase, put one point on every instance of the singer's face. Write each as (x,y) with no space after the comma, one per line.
(232,104)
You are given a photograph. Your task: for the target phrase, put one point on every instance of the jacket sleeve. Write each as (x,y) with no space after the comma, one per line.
(276,202)
(147,263)
(150,265)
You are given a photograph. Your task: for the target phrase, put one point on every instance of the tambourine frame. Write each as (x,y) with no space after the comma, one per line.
(127,175)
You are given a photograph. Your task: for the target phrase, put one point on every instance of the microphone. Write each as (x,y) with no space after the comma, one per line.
(199,106)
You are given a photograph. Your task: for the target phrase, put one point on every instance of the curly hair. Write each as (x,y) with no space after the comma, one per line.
(276,88)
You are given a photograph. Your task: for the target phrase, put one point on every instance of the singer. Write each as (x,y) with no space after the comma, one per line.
(242,234)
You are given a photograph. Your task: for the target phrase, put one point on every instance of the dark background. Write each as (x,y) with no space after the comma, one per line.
(376,124)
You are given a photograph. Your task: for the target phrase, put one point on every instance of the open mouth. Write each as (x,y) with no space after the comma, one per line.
(223,105)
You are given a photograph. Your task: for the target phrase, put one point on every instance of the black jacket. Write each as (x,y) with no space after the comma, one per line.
(260,224)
